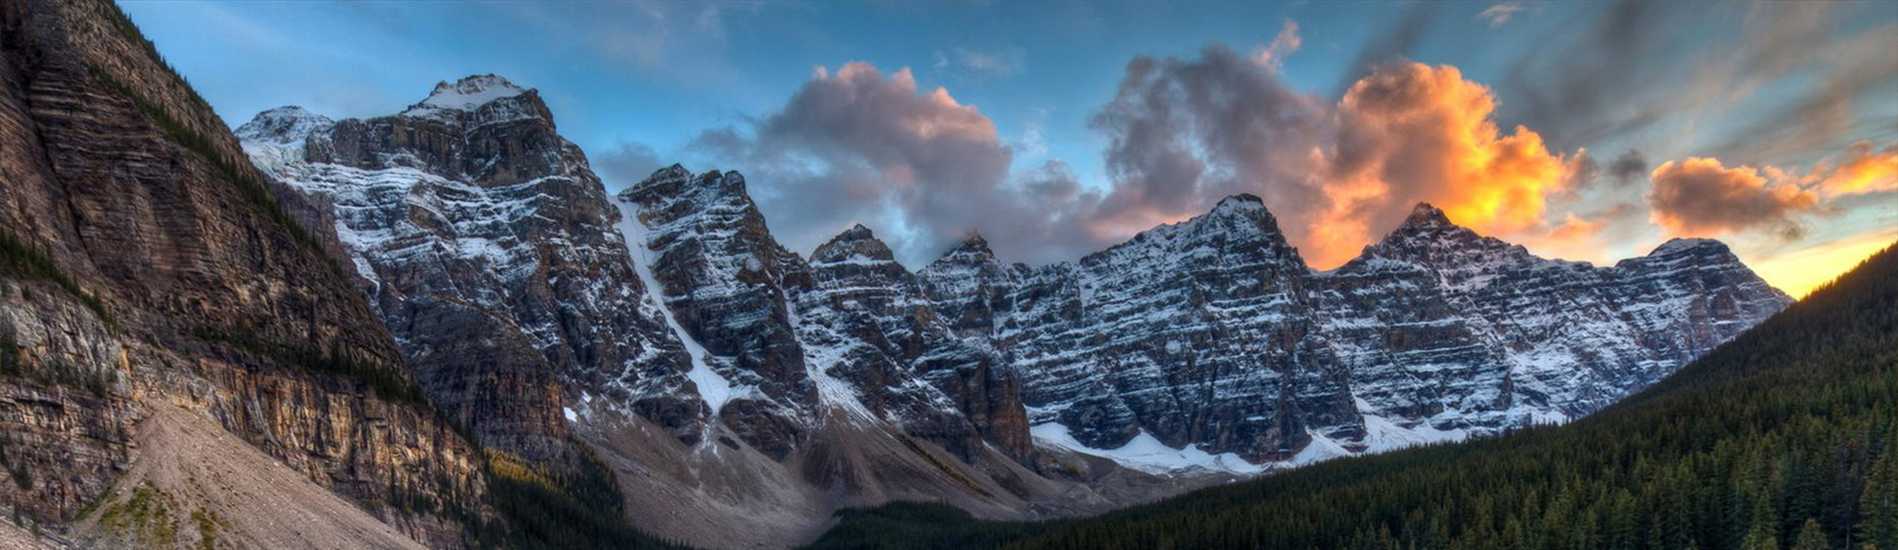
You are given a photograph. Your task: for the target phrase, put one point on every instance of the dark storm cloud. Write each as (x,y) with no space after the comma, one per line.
(1628,167)
(1396,42)
(861,146)
(1184,132)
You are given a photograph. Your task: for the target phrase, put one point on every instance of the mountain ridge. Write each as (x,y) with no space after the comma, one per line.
(1191,353)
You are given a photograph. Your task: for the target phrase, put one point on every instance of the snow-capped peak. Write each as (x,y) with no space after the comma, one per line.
(1682,246)
(287,124)
(472,92)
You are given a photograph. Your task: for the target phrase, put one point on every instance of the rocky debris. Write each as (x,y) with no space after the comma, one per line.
(194,485)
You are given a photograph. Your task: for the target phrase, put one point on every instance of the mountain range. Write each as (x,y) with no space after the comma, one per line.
(439,327)
(1194,350)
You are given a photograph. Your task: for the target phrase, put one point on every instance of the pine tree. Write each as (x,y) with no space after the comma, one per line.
(1760,538)
(1878,507)
(1812,537)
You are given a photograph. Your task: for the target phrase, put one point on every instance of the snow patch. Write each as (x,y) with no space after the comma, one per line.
(714,388)
(1146,453)
(471,93)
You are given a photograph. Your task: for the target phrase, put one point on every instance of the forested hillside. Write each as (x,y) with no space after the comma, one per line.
(1779,439)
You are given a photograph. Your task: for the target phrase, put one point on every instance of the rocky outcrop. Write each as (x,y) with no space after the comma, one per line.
(489,249)
(146,261)
(1212,336)
(716,268)
(870,313)
(1464,332)
(789,341)
(1200,333)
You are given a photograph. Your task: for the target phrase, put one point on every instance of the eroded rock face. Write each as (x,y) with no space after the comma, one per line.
(1200,333)
(1462,331)
(160,268)
(725,280)
(497,261)
(848,331)
(489,248)
(1212,333)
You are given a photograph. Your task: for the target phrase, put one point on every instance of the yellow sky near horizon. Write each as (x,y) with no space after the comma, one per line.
(1799,272)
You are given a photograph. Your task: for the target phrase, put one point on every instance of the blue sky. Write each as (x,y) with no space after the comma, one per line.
(1668,81)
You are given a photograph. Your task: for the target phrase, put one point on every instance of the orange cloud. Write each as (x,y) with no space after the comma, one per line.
(1413,133)
(1701,197)
(1863,170)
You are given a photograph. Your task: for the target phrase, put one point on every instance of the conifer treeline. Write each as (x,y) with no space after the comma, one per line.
(1783,438)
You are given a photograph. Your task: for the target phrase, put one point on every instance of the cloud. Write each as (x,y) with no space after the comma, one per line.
(1395,42)
(1273,53)
(1827,115)
(626,164)
(1499,14)
(1413,132)
(979,63)
(858,145)
(1701,197)
(1634,72)
(1628,166)
(1185,132)
(1863,170)
(1595,235)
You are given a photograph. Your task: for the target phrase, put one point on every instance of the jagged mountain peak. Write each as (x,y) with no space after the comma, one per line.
(855,243)
(1679,245)
(1428,237)
(471,92)
(972,249)
(1427,215)
(282,124)
(483,99)
(1240,202)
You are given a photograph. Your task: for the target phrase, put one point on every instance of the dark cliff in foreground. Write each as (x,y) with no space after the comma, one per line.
(183,361)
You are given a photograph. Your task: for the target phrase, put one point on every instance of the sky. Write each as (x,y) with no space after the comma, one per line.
(1585,131)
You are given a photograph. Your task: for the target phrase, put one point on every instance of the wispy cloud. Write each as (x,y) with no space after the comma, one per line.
(981,63)
(1499,14)
(1273,53)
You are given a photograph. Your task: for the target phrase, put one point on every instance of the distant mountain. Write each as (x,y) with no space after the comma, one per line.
(1212,335)
(1784,437)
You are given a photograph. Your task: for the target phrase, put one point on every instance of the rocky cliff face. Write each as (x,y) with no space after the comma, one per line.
(1501,338)
(788,341)
(487,245)
(1200,333)
(145,261)
(1211,335)
(523,293)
